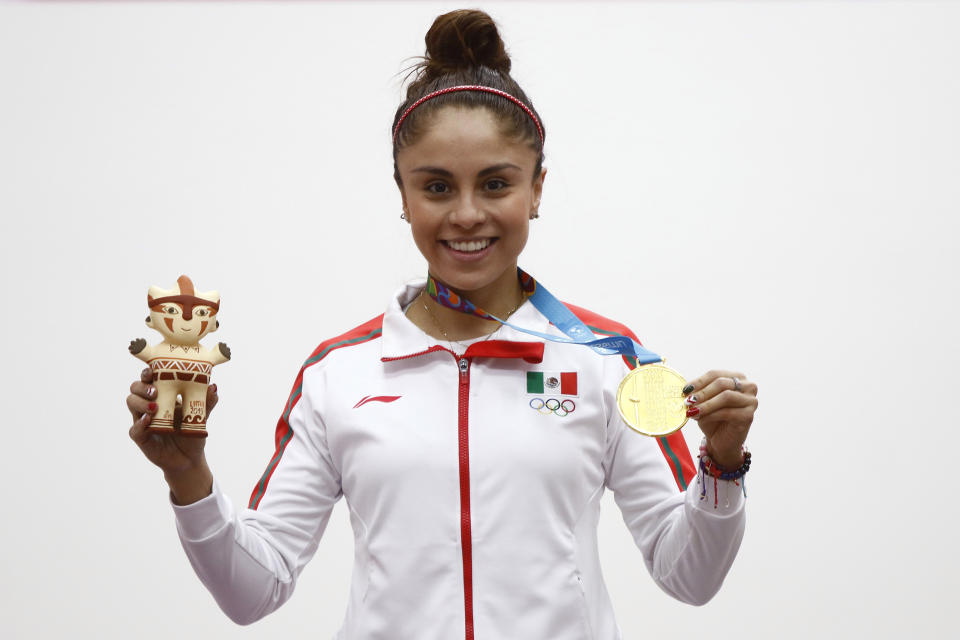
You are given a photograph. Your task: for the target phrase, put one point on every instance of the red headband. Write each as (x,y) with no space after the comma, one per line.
(468,87)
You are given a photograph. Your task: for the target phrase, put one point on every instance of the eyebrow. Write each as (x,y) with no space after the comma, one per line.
(446,174)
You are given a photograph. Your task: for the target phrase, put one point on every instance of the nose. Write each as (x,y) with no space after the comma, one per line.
(468,212)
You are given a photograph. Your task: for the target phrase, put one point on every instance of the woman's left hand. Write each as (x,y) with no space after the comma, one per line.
(723,404)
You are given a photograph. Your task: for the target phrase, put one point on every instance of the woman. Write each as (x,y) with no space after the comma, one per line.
(472,456)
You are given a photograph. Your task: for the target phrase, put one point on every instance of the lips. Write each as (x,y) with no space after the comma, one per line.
(469,246)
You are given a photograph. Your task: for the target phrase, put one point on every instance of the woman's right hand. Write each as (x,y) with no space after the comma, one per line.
(180,457)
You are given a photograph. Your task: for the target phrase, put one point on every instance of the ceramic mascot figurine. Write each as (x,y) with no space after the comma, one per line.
(181,365)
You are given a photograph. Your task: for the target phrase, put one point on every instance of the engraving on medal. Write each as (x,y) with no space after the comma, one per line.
(650,400)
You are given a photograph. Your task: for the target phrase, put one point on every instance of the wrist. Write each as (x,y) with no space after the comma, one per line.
(190,485)
(724,457)
(731,468)
(728,460)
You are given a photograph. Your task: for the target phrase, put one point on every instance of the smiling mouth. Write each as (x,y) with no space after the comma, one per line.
(469,246)
(184,329)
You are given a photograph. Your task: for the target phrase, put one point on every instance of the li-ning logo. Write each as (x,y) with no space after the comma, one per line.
(554,406)
(365,399)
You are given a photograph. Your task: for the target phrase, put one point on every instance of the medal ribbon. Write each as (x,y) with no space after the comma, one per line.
(554,311)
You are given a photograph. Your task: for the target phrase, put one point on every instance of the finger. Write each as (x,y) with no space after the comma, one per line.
(712,390)
(748,387)
(728,415)
(703,381)
(139,432)
(722,383)
(139,406)
(141,398)
(212,398)
(143,389)
(146,375)
(726,399)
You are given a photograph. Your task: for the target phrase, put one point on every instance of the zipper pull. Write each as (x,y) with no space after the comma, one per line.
(464,367)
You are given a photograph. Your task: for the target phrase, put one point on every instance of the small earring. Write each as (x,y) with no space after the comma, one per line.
(535,214)
(403,215)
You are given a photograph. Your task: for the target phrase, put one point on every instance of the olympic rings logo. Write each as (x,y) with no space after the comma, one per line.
(554,406)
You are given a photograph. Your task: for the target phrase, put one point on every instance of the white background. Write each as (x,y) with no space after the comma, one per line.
(768,186)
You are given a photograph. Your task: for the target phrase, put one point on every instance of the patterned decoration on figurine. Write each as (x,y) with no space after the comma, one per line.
(181,365)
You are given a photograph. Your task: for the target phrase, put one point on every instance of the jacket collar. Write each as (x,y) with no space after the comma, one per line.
(403,339)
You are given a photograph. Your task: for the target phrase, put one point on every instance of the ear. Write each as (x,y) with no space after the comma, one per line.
(538,192)
(403,200)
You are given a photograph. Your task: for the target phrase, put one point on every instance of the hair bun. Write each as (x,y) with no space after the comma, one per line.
(464,38)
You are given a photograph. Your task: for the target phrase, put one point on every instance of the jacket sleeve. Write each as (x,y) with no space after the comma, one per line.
(688,543)
(249,559)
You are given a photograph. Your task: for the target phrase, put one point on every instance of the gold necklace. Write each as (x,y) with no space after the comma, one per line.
(436,322)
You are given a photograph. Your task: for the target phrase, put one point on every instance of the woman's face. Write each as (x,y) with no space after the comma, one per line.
(469,194)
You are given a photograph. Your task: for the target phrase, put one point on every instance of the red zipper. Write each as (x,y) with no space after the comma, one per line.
(463,412)
(529,351)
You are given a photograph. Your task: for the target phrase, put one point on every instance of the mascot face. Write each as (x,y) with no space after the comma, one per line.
(181,314)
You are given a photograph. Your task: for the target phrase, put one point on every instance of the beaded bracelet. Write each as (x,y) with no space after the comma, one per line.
(710,468)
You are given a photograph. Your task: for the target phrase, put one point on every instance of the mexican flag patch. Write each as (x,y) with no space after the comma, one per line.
(559,383)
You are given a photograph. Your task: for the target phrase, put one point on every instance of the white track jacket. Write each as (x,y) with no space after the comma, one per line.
(474,504)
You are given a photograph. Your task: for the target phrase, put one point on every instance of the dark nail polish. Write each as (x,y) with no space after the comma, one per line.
(687,389)
(152,406)
(693,412)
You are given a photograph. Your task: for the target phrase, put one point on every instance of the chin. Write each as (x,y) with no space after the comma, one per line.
(480,279)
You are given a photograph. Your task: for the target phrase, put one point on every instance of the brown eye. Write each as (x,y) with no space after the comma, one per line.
(172,310)
(202,312)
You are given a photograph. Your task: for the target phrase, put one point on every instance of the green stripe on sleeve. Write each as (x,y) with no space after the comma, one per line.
(678,470)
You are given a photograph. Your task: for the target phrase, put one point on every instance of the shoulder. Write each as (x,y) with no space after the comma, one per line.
(601,324)
(367,332)
(673,447)
(605,326)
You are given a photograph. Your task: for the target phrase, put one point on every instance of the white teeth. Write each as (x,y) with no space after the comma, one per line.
(472,245)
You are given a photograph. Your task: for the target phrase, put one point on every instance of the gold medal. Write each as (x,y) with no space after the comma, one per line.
(650,400)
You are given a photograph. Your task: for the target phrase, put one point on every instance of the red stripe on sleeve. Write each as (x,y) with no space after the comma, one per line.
(673,447)
(678,446)
(369,330)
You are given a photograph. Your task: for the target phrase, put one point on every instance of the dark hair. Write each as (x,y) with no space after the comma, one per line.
(464,47)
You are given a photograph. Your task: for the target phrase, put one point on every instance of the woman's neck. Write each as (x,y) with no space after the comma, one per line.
(500,298)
